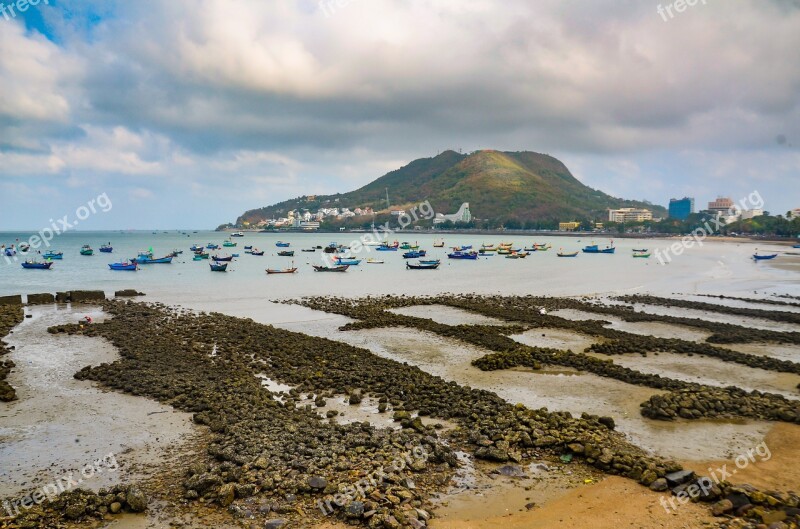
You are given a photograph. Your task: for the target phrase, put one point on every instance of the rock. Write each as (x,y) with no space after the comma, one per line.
(11,300)
(678,478)
(127,293)
(40,299)
(354,509)
(608,422)
(513,471)
(356,397)
(317,482)
(275,523)
(202,483)
(722,507)
(401,415)
(136,499)
(659,485)
(773,517)
(491,453)
(79,296)
(227,493)
(115,507)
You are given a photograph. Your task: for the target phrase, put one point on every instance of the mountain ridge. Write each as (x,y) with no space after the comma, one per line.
(501,187)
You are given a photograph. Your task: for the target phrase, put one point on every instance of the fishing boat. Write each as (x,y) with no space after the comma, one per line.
(196,248)
(512,256)
(257,252)
(340,268)
(488,248)
(218,267)
(375,261)
(250,247)
(422,266)
(562,254)
(385,248)
(310,250)
(237,234)
(504,251)
(414,254)
(284,271)
(349,261)
(212,246)
(430,261)
(757,257)
(149,260)
(125,265)
(286,253)
(409,246)
(438,244)
(53,255)
(463,255)
(200,256)
(234,255)
(36,265)
(107,248)
(87,250)
(229,244)
(218,259)
(281,244)
(642,255)
(542,247)
(596,249)
(643,250)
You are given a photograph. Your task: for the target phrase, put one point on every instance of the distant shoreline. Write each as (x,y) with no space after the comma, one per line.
(538,233)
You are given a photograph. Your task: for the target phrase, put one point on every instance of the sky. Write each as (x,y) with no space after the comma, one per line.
(186,113)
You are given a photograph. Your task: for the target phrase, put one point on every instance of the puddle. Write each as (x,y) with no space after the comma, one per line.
(447,315)
(556,339)
(60,424)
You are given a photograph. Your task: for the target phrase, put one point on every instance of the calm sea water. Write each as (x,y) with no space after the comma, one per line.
(717,267)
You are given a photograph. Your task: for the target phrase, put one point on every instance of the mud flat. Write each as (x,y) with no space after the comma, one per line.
(710,371)
(59,424)
(779,351)
(447,315)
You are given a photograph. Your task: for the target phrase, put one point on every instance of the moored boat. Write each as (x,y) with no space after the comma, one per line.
(87,250)
(218,267)
(286,253)
(593,248)
(340,268)
(284,271)
(414,254)
(350,261)
(422,266)
(107,248)
(53,255)
(561,253)
(237,234)
(473,256)
(212,246)
(372,260)
(281,244)
(642,255)
(438,244)
(37,265)
(149,260)
(123,266)
(758,257)
(257,252)
(219,259)
(229,244)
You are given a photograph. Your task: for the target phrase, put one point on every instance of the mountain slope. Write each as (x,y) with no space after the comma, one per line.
(499,186)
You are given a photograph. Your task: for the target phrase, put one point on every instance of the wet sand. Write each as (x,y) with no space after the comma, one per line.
(59,424)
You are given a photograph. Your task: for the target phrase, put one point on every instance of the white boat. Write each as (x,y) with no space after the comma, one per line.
(375,261)
(237,234)
(372,243)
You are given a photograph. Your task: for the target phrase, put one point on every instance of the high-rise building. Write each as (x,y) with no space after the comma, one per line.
(681,208)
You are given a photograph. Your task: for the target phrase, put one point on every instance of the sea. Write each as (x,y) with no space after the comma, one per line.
(715,267)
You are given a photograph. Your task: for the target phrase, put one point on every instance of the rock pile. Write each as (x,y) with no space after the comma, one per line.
(10,317)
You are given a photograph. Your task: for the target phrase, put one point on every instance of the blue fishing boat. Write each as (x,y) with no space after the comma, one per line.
(414,254)
(764,257)
(286,253)
(53,255)
(422,266)
(34,265)
(347,261)
(386,248)
(107,248)
(234,255)
(248,247)
(212,246)
(196,248)
(430,261)
(257,252)
(596,249)
(127,266)
(218,267)
(147,260)
(219,259)
(281,244)
(473,256)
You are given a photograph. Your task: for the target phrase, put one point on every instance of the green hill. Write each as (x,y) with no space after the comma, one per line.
(501,187)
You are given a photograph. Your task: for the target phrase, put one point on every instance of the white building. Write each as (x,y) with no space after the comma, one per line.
(752,213)
(629,215)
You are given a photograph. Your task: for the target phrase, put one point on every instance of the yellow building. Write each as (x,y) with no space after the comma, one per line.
(568,226)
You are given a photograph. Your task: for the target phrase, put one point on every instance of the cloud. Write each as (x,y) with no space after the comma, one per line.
(209,95)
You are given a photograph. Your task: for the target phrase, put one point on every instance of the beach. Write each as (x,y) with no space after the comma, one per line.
(235,418)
